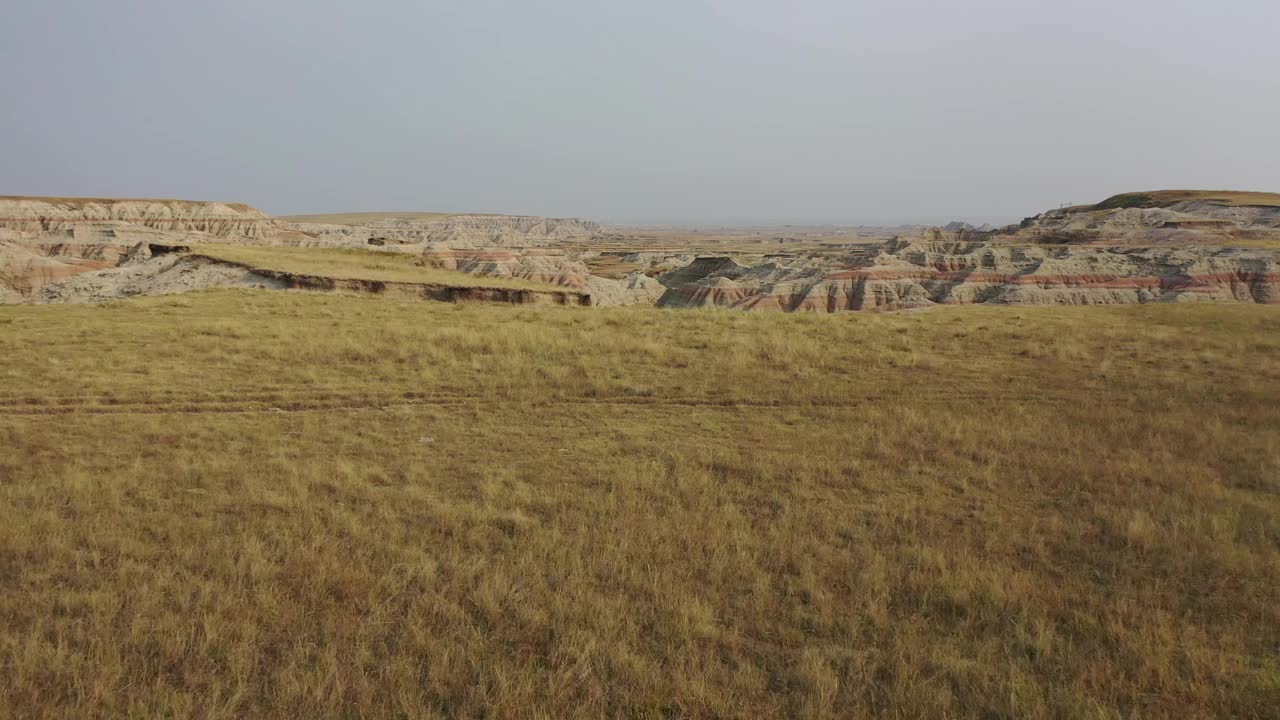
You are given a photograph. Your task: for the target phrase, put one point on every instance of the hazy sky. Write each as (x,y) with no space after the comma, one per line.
(656,111)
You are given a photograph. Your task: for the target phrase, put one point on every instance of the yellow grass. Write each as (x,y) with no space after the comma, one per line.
(238,504)
(355,264)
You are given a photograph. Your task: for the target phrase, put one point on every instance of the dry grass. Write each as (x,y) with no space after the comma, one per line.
(356,264)
(238,504)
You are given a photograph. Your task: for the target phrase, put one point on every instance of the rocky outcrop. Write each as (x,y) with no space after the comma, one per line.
(632,289)
(25,269)
(161,275)
(552,267)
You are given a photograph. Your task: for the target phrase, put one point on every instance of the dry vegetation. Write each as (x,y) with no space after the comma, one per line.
(355,264)
(237,504)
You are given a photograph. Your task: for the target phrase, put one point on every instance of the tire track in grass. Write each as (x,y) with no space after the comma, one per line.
(333,401)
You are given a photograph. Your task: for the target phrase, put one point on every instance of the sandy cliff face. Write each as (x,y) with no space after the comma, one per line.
(27,267)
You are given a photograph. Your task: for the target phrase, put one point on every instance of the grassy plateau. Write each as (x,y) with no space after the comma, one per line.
(250,504)
(356,264)
(1165,198)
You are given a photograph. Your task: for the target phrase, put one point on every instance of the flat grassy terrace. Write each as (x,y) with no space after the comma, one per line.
(356,264)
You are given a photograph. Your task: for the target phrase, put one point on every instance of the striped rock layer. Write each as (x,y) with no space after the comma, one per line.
(930,273)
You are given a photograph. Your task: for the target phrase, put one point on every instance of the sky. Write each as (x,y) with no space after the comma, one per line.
(650,112)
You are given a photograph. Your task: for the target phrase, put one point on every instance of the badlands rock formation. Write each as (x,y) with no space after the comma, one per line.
(98,219)
(921,273)
(504,246)
(1164,246)
(44,242)
(1171,246)
(549,266)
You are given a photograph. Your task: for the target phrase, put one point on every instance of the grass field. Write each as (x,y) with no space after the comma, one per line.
(250,504)
(356,264)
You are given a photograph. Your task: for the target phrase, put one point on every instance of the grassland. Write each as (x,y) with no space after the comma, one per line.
(239,504)
(356,264)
